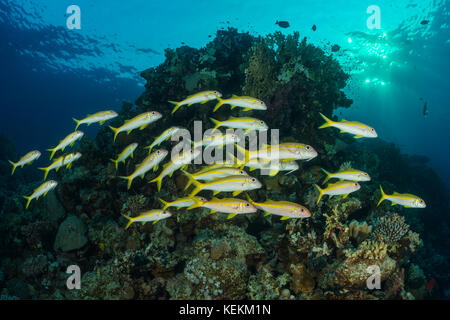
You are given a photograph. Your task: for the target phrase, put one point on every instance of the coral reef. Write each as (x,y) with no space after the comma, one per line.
(198,255)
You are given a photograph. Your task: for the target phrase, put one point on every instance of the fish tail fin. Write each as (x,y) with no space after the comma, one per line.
(158,181)
(165,203)
(28,201)
(52,152)
(249,199)
(219,104)
(130,221)
(327,123)
(130,180)
(46,170)
(216,124)
(320,193)
(77,122)
(14,166)
(177,106)
(116,132)
(328,177)
(116,163)
(197,203)
(383,196)
(197,184)
(246,155)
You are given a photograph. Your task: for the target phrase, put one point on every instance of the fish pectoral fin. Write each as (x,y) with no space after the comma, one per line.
(184,167)
(204,101)
(155,168)
(57,169)
(266,214)
(129,131)
(407,207)
(273,172)
(216,193)
(345,195)
(285,218)
(358,136)
(213,211)
(231,215)
(190,104)
(252,169)
(232,107)
(237,192)
(102,122)
(72,144)
(155,221)
(170,174)
(143,176)
(342,131)
(143,126)
(247,109)
(393,204)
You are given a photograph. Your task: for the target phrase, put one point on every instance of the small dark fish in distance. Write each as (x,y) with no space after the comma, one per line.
(424,22)
(335,48)
(282,24)
(425,109)
(314,28)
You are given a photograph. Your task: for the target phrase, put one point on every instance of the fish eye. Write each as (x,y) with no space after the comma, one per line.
(308,147)
(253,179)
(356,183)
(241,172)
(248,204)
(261,102)
(302,210)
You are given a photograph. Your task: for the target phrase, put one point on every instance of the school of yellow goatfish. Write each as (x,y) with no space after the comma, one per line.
(221,176)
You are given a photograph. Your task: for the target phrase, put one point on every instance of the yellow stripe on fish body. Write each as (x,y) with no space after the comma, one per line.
(405,199)
(286,209)
(347,174)
(140,121)
(61,162)
(248,103)
(127,152)
(201,97)
(359,129)
(232,206)
(287,151)
(339,188)
(217,140)
(235,184)
(153,215)
(181,161)
(101,117)
(43,189)
(69,140)
(167,134)
(216,173)
(182,202)
(26,159)
(273,166)
(150,162)
(245,123)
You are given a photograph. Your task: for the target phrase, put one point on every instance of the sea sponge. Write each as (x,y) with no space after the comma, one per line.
(359,230)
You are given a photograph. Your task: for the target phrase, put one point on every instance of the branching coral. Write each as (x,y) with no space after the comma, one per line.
(390,228)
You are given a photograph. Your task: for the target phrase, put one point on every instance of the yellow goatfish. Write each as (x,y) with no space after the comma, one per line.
(217,140)
(273,166)
(404,199)
(69,140)
(167,134)
(248,103)
(43,189)
(216,173)
(285,209)
(150,162)
(153,215)
(227,205)
(339,188)
(26,159)
(201,97)
(180,161)
(235,184)
(127,152)
(181,202)
(141,121)
(360,130)
(101,117)
(348,174)
(61,162)
(245,123)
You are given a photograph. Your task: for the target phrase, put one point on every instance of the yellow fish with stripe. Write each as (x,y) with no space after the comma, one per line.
(43,189)
(234,183)
(127,152)
(201,97)
(360,130)
(248,103)
(232,206)
(167,134)
(26,159)
(348,174)
(216,173)
(404,199)
(343,188)
(69,140)
(245,123)
(181,202)
(153,215)
(61,162)
(150,162)
(140,121)
(100,117)
(285,209)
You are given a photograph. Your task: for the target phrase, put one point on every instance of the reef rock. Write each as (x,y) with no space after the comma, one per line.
(71,235)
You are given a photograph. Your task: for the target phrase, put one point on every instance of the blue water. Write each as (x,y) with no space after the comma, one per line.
(51,74)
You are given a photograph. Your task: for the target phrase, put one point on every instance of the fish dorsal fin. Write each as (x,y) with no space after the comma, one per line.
(396,193)
(214,198)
